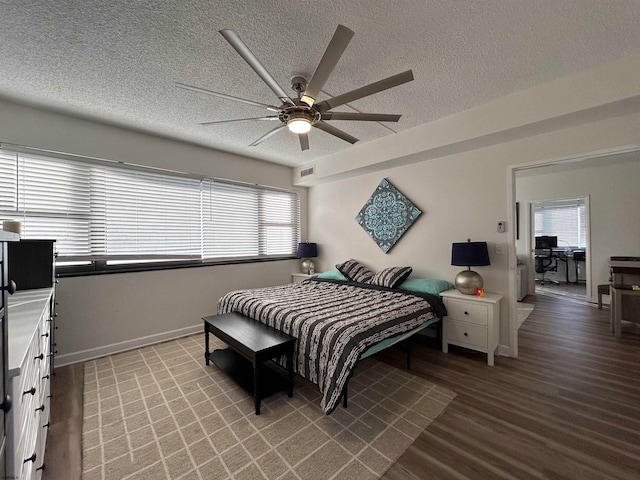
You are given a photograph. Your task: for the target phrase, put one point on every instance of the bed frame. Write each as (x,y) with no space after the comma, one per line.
(389,342)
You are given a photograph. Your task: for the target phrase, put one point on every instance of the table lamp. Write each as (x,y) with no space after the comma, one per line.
(307,251)
(469,254)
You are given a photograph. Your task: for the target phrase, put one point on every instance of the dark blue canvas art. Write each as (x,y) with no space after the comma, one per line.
(387,215)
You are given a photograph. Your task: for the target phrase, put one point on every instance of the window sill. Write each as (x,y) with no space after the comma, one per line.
(87,270)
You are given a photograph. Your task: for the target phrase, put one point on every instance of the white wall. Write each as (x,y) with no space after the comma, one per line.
(458,170)
(101,314)
(104,313)
(612,185)
(462,196)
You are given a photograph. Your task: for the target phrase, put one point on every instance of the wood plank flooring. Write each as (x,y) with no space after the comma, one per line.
(567,408)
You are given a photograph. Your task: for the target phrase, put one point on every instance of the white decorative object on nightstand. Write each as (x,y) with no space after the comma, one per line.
(299,277)
(472,322)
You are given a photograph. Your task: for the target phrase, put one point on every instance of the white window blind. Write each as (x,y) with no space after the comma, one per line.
(564,219)
(232,214)
(114,212)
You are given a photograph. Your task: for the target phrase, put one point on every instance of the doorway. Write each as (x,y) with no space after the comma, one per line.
(607,180)
(560,237)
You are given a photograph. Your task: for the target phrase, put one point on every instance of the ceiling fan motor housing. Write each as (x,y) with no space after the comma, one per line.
(299,113)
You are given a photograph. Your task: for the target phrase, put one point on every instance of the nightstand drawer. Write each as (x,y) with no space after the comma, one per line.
(466,333)
(468,312)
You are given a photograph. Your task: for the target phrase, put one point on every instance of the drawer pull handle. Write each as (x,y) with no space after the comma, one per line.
(46,377)
(465,334)
(5,406)
(46,425)
(10,287)
(32,391)
(44,335)
(466,313)
(41,408)
(41,467)
(32,458)
(50,396)
(39,357)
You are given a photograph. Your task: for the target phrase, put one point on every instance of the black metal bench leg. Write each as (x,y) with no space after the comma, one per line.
(344,395)
(408,353)
(256,386)
(206,345)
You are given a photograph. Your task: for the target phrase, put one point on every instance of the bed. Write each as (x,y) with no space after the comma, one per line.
(336,323)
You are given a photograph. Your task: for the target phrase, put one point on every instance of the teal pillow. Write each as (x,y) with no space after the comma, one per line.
(332,275)
(426,285)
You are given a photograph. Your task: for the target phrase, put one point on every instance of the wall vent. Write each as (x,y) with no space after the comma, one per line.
(307,171)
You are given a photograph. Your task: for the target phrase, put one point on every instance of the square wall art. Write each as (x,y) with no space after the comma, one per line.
(387,215)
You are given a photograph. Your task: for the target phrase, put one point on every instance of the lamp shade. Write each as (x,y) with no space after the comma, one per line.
(307,250)
(470,254)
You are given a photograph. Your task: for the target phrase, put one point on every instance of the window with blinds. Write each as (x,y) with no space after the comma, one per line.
(119,213)
(565,219)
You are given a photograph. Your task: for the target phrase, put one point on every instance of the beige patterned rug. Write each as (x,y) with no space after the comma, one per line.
(159,413)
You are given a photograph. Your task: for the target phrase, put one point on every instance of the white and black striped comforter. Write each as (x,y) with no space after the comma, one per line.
(333,322)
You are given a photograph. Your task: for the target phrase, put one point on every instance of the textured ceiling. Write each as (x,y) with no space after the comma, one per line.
(118,60)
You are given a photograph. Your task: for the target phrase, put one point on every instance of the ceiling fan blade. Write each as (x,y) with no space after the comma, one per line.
(239,120)
(228,97)
(364,117)
(240,47)
(332,54)
(365,91)
(267,135)
(335,132)
(304,141)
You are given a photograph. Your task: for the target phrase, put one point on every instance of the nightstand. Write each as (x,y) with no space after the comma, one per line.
(472,322)
(299,277)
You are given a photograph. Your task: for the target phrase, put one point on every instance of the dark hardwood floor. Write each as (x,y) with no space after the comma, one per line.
(567,408)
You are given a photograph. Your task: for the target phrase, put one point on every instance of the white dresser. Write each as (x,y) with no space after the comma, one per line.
(472,322)
(31,318)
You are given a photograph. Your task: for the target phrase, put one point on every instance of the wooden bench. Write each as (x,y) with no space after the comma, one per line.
(251,344)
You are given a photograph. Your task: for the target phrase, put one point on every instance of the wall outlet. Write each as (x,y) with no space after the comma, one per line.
(502,226)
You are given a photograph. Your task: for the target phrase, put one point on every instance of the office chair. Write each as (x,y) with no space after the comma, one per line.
(546,262)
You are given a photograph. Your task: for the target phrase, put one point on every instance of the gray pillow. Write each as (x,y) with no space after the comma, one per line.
(391,277)
(355,271)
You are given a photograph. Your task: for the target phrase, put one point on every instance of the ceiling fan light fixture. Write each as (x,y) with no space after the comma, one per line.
(299,125)
(308,100)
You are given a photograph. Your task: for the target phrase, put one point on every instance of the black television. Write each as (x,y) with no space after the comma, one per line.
(547,241)
(31,263)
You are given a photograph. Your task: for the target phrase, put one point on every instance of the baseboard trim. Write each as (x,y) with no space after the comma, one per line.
(504,351)
(85,355)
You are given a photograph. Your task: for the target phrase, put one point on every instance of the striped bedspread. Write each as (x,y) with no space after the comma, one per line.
(334,322)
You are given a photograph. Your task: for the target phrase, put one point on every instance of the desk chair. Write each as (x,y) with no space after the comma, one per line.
(546,262)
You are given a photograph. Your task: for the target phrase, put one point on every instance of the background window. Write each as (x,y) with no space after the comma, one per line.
(565,219)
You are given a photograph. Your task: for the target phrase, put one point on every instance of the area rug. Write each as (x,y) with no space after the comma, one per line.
(159,413)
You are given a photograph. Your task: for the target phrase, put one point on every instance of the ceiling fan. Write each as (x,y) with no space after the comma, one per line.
(301,113)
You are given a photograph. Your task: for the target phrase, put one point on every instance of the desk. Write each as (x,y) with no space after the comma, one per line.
(632,310)
(564,255)
(625,272)
(561,254)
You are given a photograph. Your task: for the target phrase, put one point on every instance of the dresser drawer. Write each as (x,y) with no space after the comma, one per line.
(468,312)
(467,333)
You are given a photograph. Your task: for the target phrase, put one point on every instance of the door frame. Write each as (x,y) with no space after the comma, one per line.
(511,214)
